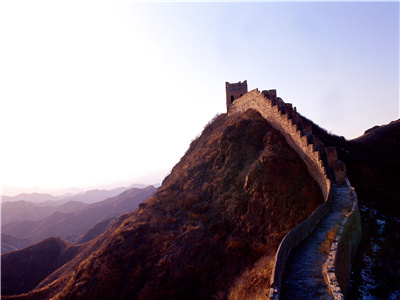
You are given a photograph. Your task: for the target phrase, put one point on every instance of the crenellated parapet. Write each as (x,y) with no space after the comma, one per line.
(297,131)
(331,156)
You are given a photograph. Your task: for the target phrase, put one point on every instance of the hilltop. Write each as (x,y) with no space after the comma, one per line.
(212,228)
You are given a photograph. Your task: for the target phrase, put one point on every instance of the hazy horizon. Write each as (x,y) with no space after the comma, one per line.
(100,92)
(154,179)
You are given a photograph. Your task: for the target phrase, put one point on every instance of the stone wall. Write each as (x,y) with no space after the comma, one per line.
(343,250)
(290,241)
(299,135)
(284,118)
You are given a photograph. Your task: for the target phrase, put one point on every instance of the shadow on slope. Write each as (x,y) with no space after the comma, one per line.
(373,166)
(22,270)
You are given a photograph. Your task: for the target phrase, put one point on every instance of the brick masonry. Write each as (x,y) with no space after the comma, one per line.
(234,91)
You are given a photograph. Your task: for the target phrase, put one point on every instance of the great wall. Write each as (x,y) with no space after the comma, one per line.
(340,206)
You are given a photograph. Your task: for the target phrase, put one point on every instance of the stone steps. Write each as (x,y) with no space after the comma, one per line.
(303,277)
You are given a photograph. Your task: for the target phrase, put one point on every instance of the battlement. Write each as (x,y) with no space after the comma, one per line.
(270,94)
(297,131)
(234,91)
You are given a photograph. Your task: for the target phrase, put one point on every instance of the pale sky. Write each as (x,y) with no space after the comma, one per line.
(98,93)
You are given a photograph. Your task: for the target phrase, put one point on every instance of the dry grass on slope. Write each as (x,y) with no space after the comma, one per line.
(253,283)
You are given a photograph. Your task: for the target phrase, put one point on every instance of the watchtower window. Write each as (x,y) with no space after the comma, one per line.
(232,99)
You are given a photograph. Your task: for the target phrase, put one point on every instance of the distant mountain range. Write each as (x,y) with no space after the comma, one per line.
(33,222)
(10,243)
(89,196)
(33,197)
(22,210)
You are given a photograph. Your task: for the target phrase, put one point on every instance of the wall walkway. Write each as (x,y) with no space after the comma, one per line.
(304,276)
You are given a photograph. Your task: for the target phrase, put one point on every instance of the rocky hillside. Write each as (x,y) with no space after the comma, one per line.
(209,232)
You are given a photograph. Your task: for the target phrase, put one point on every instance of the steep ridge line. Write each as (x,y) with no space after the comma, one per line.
(299,135)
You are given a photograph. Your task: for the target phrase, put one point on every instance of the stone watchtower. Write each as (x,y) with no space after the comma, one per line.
(234,91)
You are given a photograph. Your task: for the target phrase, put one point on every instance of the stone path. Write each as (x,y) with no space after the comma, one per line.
(303,276)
